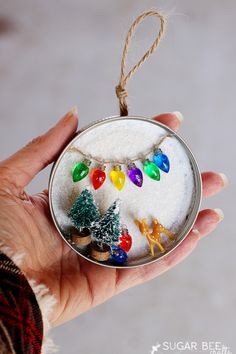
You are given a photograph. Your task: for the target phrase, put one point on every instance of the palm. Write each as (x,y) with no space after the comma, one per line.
(75,282)
(26,227)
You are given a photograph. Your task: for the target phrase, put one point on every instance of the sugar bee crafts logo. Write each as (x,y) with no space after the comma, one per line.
(190,346)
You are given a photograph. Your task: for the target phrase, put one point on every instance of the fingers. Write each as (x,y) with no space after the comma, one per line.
(21,167)
(131,277)
(213,183)
(171,120)
(206,222)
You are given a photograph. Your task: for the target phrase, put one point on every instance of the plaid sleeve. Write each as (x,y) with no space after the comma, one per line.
(21,327)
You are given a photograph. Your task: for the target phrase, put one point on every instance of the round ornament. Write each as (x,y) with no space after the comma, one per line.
(125,170)
(158,213)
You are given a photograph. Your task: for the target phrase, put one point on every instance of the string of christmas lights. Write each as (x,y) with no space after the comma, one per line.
(151,166)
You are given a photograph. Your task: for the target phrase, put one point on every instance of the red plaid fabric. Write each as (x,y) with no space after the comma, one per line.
(21,326)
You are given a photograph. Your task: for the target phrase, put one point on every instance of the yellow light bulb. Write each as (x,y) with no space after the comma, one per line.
(118,177)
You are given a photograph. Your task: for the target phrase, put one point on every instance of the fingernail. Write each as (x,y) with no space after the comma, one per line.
(220,213)
(74,110)
(69,115)
(179,116)
(224,179)
(196,232)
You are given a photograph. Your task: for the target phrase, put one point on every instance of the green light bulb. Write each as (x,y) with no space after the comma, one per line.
(79,171)
(151,169)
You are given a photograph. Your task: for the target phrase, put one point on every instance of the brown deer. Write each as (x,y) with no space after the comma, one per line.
(153,236)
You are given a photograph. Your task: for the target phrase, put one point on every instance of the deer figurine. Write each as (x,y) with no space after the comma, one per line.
(153,236)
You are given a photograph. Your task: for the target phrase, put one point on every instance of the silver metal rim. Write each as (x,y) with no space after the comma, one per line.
(197,180)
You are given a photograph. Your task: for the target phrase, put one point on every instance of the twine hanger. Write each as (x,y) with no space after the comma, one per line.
(121,91)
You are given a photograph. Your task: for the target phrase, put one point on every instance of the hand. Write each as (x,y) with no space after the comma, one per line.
(26,227)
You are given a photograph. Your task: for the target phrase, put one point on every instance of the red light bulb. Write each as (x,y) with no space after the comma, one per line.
(125,240)
(98,177)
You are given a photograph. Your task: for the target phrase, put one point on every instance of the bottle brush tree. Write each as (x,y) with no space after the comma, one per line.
(84,211)
(106,230)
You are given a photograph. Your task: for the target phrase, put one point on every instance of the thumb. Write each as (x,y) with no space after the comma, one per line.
(21,167)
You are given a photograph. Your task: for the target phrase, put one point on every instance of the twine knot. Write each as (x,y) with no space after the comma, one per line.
(121,92)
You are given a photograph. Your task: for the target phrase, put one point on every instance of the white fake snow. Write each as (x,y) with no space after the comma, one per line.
(168,200)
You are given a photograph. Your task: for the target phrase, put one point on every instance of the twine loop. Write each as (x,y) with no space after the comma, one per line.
(121,91)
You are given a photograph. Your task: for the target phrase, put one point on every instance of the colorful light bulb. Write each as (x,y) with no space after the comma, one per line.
(161,160)
(125,240)
(118,255)
(135,174)
(118,177)
(151,169)
(98,177)
(80,170)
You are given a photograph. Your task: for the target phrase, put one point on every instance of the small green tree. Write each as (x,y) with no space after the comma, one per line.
(107,228)
(84,211)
